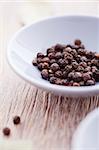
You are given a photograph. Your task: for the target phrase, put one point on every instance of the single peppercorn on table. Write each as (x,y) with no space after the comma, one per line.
(48,120)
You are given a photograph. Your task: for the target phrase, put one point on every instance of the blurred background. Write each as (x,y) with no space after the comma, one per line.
(29,10)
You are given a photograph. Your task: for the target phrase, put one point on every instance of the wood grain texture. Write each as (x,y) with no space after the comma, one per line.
(48,120)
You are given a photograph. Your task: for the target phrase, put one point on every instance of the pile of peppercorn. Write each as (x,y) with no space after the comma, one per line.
(69,65)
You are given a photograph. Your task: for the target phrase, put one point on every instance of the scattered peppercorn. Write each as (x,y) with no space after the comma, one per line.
(16,120)
(69,65)
(6,131)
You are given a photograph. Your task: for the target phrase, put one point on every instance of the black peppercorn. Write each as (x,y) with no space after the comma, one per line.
(44,74)
(54,67)
(40,55)
(6,131)
(77,42)
(16,120)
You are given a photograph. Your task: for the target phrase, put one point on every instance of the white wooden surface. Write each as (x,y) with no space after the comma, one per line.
(47,120)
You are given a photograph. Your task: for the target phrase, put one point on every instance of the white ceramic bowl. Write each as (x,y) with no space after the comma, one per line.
(40,35)
(86,136)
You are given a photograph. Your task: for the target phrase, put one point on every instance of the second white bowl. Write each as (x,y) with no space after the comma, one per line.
(87,135)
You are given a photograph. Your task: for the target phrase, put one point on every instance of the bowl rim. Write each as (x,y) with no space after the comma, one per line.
(79,133)
(85,90)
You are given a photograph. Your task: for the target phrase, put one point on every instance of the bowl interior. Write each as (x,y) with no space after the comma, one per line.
(44,34)
(39,36)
